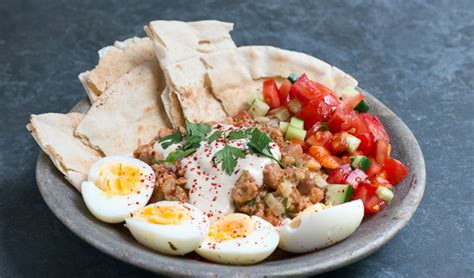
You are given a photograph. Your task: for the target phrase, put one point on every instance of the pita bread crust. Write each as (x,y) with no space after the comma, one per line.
(114,62)
(237,74)
(54,133)
(178,46)
(268,62)
(176,41)
(172,107)
(188,82)
(128,114)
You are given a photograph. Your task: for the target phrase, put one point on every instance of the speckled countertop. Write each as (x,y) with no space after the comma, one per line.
(416,57)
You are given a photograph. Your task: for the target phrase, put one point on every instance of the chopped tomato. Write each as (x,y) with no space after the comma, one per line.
(339,175)
(374,167)
(396,170)
(320,138)
(355,177)
(307,90)
(270,93)
(350,103)
(319,109)
(324,157)
(336,121)
(382,151)
(375,127)
(374,204)
(318,126)
(284,91)
(338,143)
(366,142)
(366,193)
(354,124)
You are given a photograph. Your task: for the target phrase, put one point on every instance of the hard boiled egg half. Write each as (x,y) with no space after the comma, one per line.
(319,226)
(239,239)
(116,186)
(169,227)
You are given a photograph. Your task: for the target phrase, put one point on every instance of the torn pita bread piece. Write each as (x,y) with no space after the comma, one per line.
(187,80)
(128,114)
(114,62)
(235,75)
(177,41)
(267,61)
(54,133)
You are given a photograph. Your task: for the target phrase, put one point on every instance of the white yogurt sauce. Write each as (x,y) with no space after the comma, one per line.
(209,186)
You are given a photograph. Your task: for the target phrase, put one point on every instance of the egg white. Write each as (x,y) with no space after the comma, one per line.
(171,239)
(254,248)
(317,230)
(115,208)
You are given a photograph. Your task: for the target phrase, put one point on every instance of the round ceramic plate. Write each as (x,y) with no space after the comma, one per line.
(373,233)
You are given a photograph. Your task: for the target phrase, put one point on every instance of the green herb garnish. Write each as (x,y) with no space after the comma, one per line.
(172,246)
(214,136)
(171,139)
(178,154)
(200,130)
(260,143)
(237,134)
(228,156)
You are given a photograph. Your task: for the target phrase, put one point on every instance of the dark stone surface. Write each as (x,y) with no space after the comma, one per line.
(416,57)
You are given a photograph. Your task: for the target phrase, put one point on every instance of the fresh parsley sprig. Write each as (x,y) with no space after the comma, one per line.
(259,143)
(228,156)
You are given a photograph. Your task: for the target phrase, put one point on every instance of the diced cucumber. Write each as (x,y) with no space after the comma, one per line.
(284,126)
(337,194)
(253,97)
(362,107)
(384,193)
(348,92)
(297,122)
(283,114)
(258,108)
(295,105)
(360,161)
(295,133)
(352,143)
(293,77)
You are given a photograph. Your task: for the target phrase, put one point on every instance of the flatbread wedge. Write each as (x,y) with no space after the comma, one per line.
(54,133)
(128,114)
(235,75)
(114,62)
(180,45)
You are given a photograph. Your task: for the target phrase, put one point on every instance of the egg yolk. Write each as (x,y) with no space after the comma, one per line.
(165,215)
(118,178)
(232,226)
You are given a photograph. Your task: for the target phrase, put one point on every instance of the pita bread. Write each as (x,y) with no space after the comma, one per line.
(114,62)
(237,74)
(128,114)
(54,133)
(178,47)
(267,62)
(176,41)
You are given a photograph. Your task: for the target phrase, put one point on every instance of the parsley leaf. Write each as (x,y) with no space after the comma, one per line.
(228,156)
(178,154)
(214,136)
(171,139)
(200,130)
(192,142)
(237,134)
(260,143)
